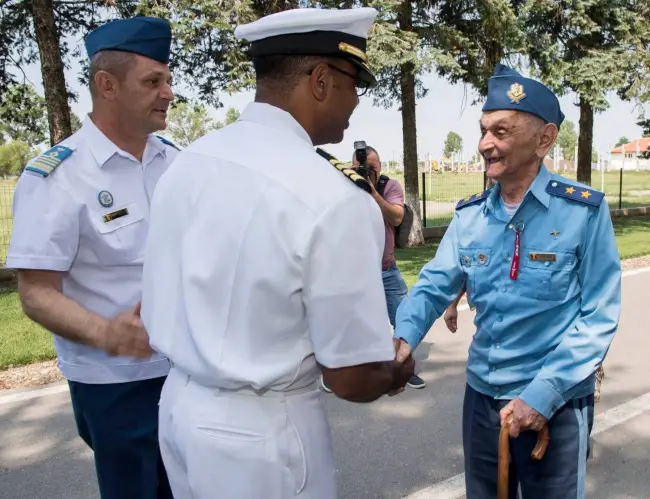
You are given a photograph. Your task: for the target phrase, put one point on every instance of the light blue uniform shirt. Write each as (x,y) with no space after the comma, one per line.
(542,336)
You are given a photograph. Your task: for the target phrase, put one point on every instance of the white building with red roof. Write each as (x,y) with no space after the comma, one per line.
(627,155)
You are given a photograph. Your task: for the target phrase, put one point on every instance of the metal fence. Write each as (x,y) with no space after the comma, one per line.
(6,199)
(439,190)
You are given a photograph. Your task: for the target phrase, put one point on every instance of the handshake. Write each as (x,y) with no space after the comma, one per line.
(403,366)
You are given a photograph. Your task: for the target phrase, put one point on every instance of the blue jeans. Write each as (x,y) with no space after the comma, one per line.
(395,290)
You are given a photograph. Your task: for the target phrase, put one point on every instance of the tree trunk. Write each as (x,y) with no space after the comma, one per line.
(56,93)
(585,141)
(409,134)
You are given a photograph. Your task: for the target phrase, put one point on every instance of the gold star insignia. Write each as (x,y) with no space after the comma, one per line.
(468,198)
(585,194)
(570,190)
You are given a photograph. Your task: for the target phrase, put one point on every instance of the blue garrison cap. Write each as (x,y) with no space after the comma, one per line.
(147,36)
(507,89)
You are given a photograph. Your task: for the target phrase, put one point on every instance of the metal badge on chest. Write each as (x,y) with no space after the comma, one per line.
(105,199)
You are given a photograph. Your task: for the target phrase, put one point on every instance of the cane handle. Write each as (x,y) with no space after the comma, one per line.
(504,454)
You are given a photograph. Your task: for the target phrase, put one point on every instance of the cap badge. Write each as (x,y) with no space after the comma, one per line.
(516,93)
(346,47)
(105,199)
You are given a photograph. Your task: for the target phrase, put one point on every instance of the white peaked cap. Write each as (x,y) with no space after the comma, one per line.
(355,22)
(328,32)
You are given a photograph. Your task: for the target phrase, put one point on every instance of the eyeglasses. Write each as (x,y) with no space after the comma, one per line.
(360,85)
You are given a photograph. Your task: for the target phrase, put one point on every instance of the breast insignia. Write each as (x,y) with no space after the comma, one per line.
(474,198)
(575,192)
(167,142)
(49,161)
(353,176)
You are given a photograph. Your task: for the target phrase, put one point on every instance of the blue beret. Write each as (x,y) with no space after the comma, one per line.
(148,36)
(507,89)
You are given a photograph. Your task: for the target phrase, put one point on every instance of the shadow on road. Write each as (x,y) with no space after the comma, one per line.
(46,458)
(405,442)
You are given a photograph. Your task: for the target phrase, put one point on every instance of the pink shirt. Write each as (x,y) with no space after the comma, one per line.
(394,195)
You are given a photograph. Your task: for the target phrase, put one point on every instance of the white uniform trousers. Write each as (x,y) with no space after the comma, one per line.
(224,444)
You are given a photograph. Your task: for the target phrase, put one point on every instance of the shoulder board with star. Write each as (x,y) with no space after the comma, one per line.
(352,175)
(474,198)
(577,193)
(167,142)
(49,161)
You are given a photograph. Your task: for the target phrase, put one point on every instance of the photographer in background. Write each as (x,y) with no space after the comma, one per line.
(390,197)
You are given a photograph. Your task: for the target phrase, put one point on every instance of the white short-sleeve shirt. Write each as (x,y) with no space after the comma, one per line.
(263,259)
(61,224)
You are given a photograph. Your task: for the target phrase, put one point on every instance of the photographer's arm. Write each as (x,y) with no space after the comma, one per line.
(393,213)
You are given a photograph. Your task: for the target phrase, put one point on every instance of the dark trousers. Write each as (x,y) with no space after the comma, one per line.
(561,474)
(119,422)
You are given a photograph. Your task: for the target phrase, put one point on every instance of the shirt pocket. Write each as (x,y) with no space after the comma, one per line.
(546,275)
(476,264)
(121,234)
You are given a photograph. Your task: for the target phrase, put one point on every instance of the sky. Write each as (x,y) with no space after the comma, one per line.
(446,108)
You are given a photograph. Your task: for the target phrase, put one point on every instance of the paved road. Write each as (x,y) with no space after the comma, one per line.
(390,449)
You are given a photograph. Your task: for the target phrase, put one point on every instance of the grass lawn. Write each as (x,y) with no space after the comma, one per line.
(23,342)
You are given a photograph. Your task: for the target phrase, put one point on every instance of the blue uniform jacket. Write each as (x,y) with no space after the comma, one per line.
(542,336)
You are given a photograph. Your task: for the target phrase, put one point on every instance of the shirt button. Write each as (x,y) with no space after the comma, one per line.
(546,264)
(499,318)
(493,368)
(503,289)
(498,345)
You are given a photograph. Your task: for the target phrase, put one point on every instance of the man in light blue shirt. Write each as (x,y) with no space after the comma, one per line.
(538,255)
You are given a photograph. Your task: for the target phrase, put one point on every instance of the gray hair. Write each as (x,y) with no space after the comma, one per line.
(115,62)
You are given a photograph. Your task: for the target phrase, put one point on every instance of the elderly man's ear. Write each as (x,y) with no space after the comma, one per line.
(547,137)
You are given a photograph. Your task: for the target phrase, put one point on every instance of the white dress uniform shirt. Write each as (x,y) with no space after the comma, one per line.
(262,259)
(59,225)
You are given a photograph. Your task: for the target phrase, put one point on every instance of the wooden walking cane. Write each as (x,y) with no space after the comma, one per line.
(504,454)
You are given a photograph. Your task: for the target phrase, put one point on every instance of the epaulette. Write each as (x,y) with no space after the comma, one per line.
(474,198)
(574,192)
(47,162)
(167,142)
(358,180)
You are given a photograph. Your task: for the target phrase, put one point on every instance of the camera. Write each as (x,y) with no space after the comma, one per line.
(361,156)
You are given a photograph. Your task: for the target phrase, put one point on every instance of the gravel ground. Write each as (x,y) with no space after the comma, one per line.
(45,373)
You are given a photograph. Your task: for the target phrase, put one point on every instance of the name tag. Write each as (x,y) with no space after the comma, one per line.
(542,257)
(114,215)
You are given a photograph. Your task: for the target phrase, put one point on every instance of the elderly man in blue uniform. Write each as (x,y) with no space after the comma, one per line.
(81,215)
(541,266)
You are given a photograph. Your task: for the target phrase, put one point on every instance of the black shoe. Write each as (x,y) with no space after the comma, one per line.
(416,382)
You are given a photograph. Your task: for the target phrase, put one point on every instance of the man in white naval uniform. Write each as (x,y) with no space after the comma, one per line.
(264,263)
(81,215)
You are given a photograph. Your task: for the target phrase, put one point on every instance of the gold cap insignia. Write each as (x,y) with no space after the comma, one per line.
(360,54)
(516,93)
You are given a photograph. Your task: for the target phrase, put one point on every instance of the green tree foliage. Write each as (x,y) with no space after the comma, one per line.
(14,156)
(567,139)
(23,114)
(622,141)
(453,144)
(476,34)
(588,47)
(40,30)
(189,121)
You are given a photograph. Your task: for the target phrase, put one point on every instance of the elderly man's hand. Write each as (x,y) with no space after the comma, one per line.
(407,362)
(524,417)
